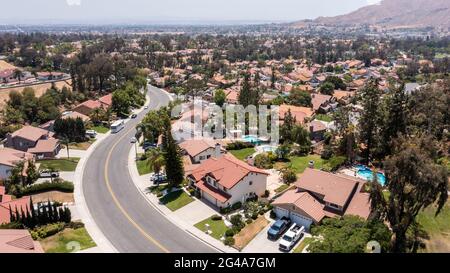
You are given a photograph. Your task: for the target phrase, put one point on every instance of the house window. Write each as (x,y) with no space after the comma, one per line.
(250,183)
(208,156)
(202,157)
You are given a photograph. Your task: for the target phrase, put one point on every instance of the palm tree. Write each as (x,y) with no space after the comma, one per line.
(156,160)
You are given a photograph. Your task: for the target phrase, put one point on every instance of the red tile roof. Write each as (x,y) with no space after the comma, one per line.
(18,241)
(31,133)
(304,202)
(227,170)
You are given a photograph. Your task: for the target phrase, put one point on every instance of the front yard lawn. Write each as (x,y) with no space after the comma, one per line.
(176,200)
(143,167)
(306,241)
(61,164)
(243,154)
(300,163)
(58,243)
(323,117)
(249,232)
(217,227)
(100,129)
(82,145)
(282,188)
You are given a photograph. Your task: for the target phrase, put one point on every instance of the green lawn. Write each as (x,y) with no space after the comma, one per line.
(303,244)
(143,167)
(58,243)
(61,164)
(438,228)
(281,188)
(217,228)
(299,164)
(244,153)
(176,200)
(323,117)
(100,129)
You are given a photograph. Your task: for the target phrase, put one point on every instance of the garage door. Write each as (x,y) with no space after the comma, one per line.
(301,220)
(209,198)
(281,212)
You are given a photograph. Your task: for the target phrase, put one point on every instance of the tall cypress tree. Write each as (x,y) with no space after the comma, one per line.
(12,217)
(172,158)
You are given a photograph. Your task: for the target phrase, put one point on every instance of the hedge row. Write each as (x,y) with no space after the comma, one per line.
(63,186)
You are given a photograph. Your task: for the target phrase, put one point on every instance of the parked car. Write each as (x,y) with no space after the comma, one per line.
(133,116)
(145,107)
(291,237)
(133,140)
(278,228)
(147,145)
(91,133)
(158,178)
(48,174)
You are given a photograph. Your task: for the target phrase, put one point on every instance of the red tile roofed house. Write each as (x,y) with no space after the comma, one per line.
(226,180)
(88,106)
(18,241)
(200,150)
(321,103)
(9,159)
(336,195)
(34,140)
(8,206)
(300,113)
(106,100)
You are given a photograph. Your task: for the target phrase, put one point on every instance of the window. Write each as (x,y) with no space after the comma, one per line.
(334,206)
(202,157)
(208,156)
(250,183)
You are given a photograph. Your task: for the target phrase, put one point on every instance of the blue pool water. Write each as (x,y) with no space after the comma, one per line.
(269,149)
(251,139)
(367,174)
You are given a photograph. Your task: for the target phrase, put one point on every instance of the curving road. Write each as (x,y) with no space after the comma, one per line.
(124,216)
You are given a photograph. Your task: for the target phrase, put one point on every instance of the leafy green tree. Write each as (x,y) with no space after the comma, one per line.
(349,234)
(156,160)
(287,127)
(300,98)
(415,181)
(288,175)
(220,97)
(301,136)
(327,88)
(121,102)
(32,173)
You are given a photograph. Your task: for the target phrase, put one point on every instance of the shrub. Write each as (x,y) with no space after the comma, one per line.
(236,221)
(263,161)
(248,221)
(47,230)
(63,186)
(266,194)
(229,241)
(288,175)
(229,233)
(327,153)
(239,145)
(225,210)
(236,206)
(273,215)
(75,225)
(216,217)
(254,216)
(191,191)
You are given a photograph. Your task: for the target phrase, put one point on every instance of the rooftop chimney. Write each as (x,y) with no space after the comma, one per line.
(217,152)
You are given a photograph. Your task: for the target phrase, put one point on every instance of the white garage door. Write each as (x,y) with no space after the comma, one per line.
(301,220)
(281,212)
(209,198)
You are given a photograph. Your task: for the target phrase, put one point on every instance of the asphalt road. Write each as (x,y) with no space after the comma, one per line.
(129,222)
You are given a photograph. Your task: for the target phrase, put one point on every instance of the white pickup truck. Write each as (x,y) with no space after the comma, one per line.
(291,237)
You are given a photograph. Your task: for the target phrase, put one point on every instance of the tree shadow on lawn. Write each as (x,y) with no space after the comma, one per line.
(172,196)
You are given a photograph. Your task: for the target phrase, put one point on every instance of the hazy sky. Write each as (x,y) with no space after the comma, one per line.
(134,11)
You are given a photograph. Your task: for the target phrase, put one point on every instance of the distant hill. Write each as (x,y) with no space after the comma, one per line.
(392,14)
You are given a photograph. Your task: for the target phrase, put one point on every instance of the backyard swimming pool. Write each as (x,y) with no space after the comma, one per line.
(251,139)
(367,174)
(268,148)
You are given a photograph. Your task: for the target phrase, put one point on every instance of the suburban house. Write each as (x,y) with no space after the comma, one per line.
(9,159)
(88,106)
(199,150)
(317,130)
(9,205)
(34,140)
(322,103)
(225,180)
(49,125)
(301,114)
(321,194)
(18,241)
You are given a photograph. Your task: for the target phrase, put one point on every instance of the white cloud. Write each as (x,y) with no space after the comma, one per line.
(73,2)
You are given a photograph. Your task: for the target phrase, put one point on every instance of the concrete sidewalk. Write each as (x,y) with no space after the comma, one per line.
(185,217)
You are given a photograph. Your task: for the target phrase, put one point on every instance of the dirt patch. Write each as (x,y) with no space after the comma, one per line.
(62,197)
(438,244)
(39,90)
(249,232)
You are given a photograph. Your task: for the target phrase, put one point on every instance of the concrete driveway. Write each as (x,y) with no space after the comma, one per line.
(260,244)
(195,212)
